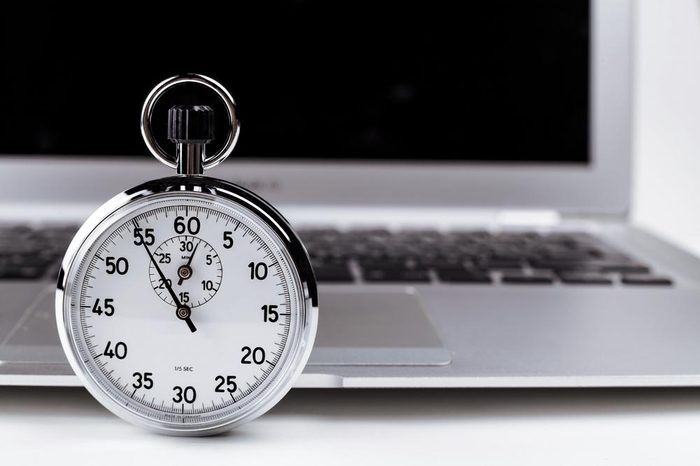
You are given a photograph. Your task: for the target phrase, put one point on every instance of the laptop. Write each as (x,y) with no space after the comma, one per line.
(461,180)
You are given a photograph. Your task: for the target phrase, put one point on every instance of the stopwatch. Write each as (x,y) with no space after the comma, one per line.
(187,304)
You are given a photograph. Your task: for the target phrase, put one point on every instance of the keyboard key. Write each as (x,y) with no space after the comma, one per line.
(474,236)
(22,273)
(462,275)
(30,254)
(518,236)
(519,278)
(507,256)
(569,255)
(422,236)
(26,260)
(557,265)
(501,264)
(372,234)
(447,263)
(337,273)
(395,275)
(602,266)
(368,264)
(631,268)
(646,280)
(585,278)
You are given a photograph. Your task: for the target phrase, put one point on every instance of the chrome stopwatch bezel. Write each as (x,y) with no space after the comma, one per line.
(205,188)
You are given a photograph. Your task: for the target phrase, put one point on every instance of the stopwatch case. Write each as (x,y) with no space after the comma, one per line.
(211,188)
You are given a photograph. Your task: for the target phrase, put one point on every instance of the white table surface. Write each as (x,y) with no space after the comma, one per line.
(364,427)
(587,427)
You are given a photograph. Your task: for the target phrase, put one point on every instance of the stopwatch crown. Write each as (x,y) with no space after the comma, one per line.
(190,127)
(190,124)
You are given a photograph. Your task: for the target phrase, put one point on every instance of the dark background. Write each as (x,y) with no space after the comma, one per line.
(490,81)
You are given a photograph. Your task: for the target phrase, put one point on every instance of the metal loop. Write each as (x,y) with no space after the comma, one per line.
(147,113)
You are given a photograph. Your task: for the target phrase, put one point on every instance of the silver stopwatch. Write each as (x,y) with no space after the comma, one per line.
(187,304)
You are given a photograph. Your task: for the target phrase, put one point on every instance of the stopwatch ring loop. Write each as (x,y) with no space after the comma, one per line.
(158,91)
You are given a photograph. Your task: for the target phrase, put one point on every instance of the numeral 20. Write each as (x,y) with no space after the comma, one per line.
(164,284)
(256,354)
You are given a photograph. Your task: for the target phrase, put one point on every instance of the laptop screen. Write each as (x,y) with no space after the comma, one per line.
(483,82)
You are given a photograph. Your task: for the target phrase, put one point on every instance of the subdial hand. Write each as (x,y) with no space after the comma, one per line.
(185,271)
(181,311)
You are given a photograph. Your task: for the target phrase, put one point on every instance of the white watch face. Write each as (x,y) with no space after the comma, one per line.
(184,311)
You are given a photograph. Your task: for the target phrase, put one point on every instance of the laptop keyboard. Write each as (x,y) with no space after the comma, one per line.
(477,257)
(380,256)
(31,254)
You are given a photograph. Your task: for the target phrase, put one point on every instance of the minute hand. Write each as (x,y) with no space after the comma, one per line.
(189,262)
(164,280)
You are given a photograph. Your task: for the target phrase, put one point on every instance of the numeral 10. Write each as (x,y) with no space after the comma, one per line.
(258,271)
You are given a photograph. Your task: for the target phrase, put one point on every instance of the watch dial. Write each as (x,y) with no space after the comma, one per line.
(184,310)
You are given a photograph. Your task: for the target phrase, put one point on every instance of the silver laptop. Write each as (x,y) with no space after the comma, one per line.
(461,182)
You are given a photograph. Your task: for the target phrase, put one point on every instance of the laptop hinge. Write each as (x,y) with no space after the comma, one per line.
(335,216)
(418,217)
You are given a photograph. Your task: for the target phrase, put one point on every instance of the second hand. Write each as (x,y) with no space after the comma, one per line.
(182,312)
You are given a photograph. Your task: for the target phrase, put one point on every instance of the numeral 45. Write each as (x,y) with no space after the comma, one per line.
(106,309)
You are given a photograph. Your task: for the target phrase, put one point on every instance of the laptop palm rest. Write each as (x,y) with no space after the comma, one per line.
(29,341)
(361,327)
(357,327)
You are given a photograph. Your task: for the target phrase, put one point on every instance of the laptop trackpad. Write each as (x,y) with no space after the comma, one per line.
(31,337)
(383,328)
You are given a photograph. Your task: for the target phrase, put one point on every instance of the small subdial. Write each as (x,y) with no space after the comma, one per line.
(191,266)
